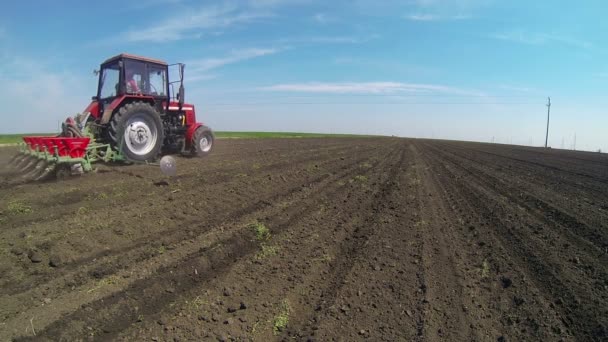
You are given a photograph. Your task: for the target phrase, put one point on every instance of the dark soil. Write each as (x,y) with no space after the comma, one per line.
(369,239)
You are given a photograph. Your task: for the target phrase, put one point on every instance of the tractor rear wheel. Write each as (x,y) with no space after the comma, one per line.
(137,131)
(202,141)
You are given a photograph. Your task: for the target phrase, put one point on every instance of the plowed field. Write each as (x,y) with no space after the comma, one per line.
(378,239)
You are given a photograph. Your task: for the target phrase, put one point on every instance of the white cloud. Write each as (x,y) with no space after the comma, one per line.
(193,23)
(538,38)
(518,88)
(276,3)
(435,17)
(369,88)
(207,64)
(198,70)
(335,40)
(144,4)
(329,39)
(444,10)
(323,18)
(422,17)
(186,22)
(36,98)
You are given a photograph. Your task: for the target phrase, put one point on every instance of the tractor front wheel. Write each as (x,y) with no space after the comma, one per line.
(137,131)
(202,141)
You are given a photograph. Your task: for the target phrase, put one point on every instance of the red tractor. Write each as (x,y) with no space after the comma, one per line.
(135,116)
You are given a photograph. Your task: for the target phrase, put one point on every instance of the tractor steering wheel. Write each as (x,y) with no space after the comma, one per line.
(153,88)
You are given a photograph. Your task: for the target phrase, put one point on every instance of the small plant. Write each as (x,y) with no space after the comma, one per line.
(360,178)
(198,302)
(485,268)
(16,207)
(324,257)
(267,251)
(282,319)
(82,211)
(421,223)
(260,230)
(312,167)
(111,280)
(366,165)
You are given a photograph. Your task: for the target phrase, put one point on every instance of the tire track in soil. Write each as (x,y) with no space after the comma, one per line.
(237,249)
(512,313)
(442,309)
(537,170)
(8,175)
(475,252)
(318,179)
(304,279)
(69,204)
(349,254)
(548,161)
(576,307)
(574,228)
(135,244)
(590,226)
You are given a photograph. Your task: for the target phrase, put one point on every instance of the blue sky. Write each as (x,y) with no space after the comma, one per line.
(453,69)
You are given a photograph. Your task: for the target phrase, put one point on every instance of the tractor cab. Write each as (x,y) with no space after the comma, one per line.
(126,74)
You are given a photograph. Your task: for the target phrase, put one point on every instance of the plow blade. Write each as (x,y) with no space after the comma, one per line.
(33,172)
(27,164)
(15,159)
(18,158)
(41,157)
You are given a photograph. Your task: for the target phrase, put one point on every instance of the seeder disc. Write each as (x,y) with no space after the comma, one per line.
(15,159)
(48,172)
(28,164)
(38,168)
(21,162)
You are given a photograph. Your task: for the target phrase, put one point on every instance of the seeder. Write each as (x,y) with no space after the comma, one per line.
(42,158)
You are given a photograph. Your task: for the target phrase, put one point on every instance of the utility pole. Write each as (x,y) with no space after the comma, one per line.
(548,113)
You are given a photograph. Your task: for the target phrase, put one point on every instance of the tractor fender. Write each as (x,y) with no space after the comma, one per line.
(190,134)
(119,102)
(93,109)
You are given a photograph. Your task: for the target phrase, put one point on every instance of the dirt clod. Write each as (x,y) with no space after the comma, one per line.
(55,261)
(35,256)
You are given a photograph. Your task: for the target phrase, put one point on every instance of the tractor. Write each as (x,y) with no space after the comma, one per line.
(135,116)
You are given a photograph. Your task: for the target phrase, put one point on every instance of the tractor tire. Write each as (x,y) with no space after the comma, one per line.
(202,141)
(137,131)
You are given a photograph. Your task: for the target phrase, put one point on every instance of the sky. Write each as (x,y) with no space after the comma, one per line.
(477,70)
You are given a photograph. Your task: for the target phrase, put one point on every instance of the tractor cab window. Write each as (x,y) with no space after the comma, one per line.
(109,86)
(158,81)
(134,76)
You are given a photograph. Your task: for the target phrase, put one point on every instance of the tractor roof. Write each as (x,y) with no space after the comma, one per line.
(139,58)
